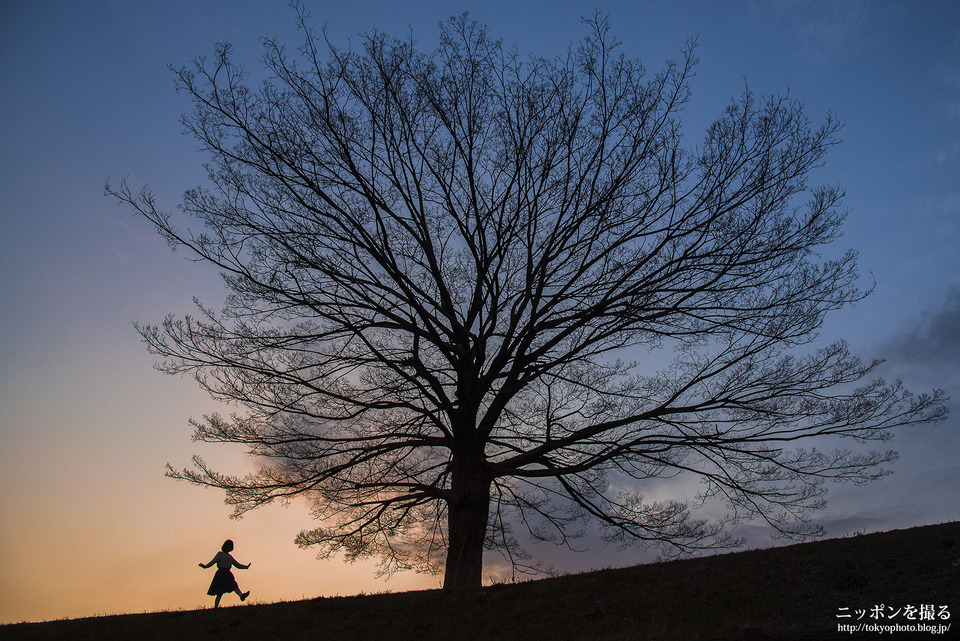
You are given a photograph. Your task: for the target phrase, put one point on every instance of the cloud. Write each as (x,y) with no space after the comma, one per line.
(945,204)
(933,340)
(829,33)
(950,84)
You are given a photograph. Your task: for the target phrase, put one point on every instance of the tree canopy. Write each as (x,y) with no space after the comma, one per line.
(472,291)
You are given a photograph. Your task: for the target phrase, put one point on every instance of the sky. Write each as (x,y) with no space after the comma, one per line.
(88,522)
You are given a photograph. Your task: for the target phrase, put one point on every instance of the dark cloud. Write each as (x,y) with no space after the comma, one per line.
(928,351)
(938,337)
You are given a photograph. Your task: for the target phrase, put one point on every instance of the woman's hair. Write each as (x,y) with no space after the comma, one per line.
(227,546)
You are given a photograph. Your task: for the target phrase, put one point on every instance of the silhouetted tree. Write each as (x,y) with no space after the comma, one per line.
(470,289)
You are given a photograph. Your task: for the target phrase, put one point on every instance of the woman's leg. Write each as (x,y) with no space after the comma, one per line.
(216,602)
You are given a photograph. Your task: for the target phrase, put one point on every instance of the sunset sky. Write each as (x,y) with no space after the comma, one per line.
(88,522)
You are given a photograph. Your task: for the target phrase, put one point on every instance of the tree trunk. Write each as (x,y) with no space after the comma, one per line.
(467,516)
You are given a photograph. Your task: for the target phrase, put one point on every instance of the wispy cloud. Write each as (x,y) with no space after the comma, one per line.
(949,73)
(945,204)
(829,32)
(928,350)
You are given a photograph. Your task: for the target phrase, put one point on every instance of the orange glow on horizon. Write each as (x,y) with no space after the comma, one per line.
(82,572)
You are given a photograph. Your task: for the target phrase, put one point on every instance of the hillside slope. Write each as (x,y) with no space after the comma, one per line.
(808,586)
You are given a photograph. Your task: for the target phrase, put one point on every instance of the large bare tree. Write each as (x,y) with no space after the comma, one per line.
(471,291)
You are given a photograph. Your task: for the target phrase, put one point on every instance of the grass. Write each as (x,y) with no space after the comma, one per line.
(791,588)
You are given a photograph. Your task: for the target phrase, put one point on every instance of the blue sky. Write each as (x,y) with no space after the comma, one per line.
(86,424)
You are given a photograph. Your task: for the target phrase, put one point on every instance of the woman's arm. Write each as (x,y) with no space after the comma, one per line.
(214,560)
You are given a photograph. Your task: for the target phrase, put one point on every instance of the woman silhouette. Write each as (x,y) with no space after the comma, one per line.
(223,581)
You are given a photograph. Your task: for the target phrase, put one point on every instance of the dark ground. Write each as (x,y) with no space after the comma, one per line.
(780,594)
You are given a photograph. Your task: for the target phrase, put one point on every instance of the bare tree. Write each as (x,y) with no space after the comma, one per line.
(470,289)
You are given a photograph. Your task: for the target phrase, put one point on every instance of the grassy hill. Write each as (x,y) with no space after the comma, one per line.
(780,591)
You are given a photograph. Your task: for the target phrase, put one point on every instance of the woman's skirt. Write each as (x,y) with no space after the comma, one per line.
(223,582)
